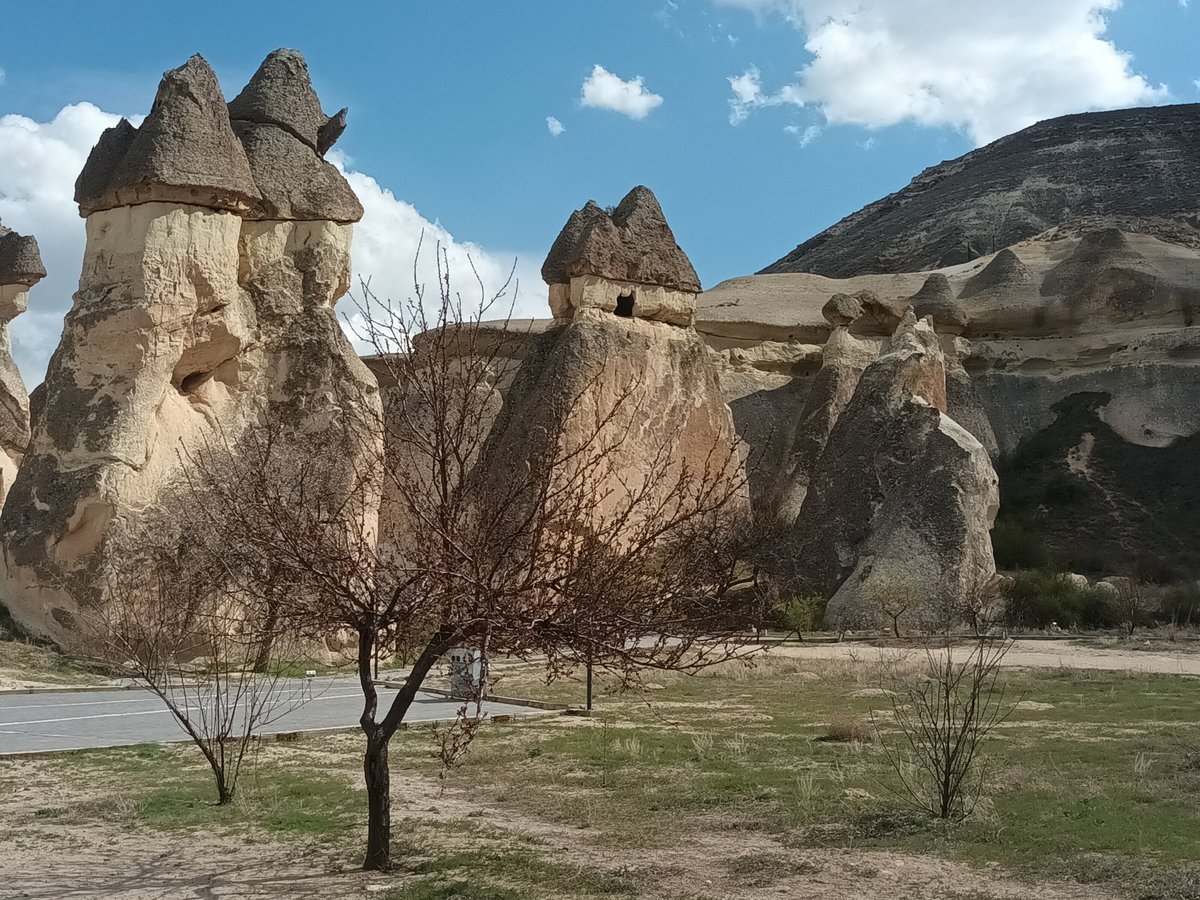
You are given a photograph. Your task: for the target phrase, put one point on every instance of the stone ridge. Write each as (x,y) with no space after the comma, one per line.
(1135,168)
(634,244)
(184,152)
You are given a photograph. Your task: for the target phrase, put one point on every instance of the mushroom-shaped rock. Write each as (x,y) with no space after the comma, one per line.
(842,309)
(281,93)
(634,244)
(865,312)
(936,299)
(184,152)
(1004,271)
(279,121)
(625,263)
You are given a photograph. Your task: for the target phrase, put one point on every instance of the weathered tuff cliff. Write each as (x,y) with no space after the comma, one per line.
(216,250)
(1134,169)
(20,269)
(1080,371)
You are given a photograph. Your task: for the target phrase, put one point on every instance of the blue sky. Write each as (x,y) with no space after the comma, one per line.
(842,102)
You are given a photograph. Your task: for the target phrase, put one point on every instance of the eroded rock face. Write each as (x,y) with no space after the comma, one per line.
(20,269)
(195,316)
(901,494)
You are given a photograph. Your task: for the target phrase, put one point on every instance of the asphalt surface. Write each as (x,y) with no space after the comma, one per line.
(61,720)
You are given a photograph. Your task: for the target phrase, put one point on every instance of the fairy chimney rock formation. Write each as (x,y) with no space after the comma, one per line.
(20,269)
(921,522)
(623,296)
(205,302)
(625,263)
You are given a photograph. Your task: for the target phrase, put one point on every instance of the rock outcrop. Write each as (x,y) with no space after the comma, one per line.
(1068,340)
(1133,169)
(20,269)
(205,303)
(901,494)
(620,356)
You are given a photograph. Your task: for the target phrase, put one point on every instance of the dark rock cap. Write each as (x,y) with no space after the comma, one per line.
(279,121)
(295,183)
(634,244)
(936,298)
(281,93)
(184,152)
(1005,270)
(20,259)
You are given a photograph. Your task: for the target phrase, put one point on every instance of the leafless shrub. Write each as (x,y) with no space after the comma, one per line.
(171,622)
(944,719)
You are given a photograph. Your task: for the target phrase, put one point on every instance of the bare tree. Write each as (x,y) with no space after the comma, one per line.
(1133,602)
(944,718)
(434,539)
(169,621)
(894,598)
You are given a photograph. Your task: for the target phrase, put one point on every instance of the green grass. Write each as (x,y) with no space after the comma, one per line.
(39,662)
(1097,780)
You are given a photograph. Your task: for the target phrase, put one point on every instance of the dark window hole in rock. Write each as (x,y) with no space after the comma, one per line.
(625,306)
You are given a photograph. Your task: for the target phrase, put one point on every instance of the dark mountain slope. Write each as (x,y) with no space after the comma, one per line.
(1135,169)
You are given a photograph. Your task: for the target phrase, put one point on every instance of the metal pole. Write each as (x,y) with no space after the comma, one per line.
(589,684)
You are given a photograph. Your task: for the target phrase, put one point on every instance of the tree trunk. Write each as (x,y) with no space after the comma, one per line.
(379,806)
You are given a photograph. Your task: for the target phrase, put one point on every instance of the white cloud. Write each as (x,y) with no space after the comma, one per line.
(37,187)
(805,135)
(556,127)
(604,90)
(37,183)
(385,246)
(989,69)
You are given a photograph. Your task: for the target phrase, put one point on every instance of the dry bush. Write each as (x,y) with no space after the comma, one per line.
(847,730)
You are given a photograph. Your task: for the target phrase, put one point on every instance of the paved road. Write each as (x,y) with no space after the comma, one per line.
(47,721)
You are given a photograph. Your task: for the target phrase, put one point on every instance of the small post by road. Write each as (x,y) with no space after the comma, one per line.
(589,685)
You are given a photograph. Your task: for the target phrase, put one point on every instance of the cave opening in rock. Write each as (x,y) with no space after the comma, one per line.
(192,382)
(625,306)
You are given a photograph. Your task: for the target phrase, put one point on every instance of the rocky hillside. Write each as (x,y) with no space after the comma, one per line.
(1134,169)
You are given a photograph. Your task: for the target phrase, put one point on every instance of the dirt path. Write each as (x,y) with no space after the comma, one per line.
(1024,653)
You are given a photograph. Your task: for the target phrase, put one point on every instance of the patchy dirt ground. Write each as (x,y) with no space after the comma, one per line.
(1150,655)
(110,858)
